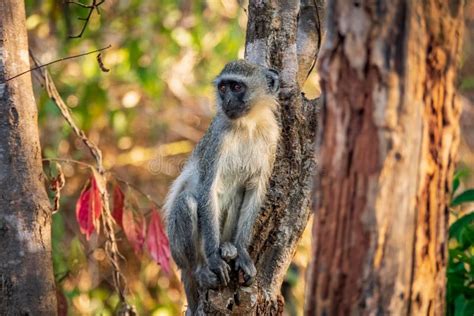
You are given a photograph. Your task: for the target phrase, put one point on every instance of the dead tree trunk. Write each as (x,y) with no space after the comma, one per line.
(284,35)
(26,274)
(387,157)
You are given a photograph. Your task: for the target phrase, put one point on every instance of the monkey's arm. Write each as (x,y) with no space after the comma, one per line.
(208,208)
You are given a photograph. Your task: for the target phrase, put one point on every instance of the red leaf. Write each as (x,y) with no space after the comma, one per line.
(89,208)
(157,242)
(117,213)
(134,227)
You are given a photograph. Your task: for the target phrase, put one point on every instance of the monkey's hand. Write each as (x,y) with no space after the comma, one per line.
(228,252)
(219,267)
(245,264)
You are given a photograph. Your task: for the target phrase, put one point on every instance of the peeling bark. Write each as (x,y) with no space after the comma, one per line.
(387,157)
(272,35)
(26,276)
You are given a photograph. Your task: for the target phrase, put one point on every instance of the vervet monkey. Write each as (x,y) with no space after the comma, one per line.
(212,206)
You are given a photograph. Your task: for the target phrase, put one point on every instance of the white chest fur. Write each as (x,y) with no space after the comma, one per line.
(248,150)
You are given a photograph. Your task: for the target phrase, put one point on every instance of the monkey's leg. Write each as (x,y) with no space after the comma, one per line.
(185,246)
(182,231)
(192,292)
(185,243)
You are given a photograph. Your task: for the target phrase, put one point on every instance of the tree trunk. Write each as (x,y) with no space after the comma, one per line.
(387,156)
(284,35)
(26,276)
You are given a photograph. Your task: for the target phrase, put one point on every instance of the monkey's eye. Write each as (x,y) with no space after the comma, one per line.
(222,88)
(236,87)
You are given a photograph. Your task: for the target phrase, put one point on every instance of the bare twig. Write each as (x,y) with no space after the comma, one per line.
(117,178)
(137,189)
(65,112)
(39,66)
(77,162)
(111,248)
(94,6)
(112,174)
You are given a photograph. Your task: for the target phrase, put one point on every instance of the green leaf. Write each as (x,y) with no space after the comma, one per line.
(466,196)
(456,228)
(456,269)
(461,173)
(466,238)
(463,307)
(456,183)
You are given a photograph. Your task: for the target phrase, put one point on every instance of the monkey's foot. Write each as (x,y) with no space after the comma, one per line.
(228,251)
(206,279)
(245,264)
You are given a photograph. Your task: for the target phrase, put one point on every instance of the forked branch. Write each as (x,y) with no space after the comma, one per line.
(39,66)
(93,6)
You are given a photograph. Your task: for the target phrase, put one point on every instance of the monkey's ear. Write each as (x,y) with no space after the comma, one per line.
(273,80)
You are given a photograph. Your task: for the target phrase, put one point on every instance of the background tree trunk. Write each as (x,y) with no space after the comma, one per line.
(26,274)
(284,35)
(388,153)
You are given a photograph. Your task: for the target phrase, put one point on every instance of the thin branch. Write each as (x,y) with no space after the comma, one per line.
(113,174)
(78,4)
(53,93)
(111,247)
(137,189)
(118,235)
(39,66)
(94,6)
(77,162)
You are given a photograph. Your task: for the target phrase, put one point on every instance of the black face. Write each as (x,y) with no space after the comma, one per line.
(232,94)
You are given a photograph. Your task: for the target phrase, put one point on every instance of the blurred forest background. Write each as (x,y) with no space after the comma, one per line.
(146,115)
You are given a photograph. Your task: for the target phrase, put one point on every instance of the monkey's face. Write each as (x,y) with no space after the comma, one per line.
(233,98)
(242,85)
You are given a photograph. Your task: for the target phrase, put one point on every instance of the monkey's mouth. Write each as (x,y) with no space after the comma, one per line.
(234,111)
(233,114)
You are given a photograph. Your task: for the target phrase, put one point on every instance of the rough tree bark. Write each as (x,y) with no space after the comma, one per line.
(284,35)
(387,156)
(26,276)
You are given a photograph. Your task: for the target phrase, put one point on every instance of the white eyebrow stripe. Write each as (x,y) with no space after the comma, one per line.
(231,77)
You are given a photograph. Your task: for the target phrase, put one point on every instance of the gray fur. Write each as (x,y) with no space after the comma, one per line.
(213,204)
